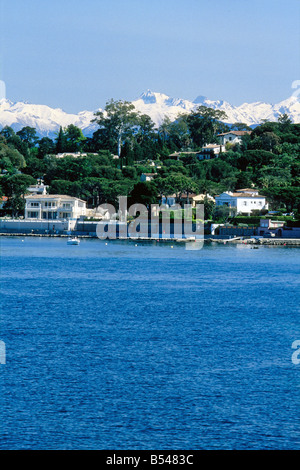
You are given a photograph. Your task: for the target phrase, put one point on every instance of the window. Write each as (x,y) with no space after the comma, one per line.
(34,204)
(50,204)
(245,203)
(33,215)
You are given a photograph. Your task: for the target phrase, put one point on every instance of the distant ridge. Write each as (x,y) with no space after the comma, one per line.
(47,120)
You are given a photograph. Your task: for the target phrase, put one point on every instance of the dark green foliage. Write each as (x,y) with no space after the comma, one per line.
(46,147)
(143,193)
(61,143)
(15,187)
(28,135)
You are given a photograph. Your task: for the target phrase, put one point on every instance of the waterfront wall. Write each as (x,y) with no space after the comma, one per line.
(89,228)
(293,232)
(38,226)
(237,231)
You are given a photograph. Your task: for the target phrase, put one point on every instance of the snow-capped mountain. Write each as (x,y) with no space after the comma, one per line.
(44,119)
(158,105)
(47,120)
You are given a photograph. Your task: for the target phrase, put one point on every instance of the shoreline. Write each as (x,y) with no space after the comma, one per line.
(222,241)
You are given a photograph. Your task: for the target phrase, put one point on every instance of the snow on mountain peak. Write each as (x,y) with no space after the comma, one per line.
(148,97)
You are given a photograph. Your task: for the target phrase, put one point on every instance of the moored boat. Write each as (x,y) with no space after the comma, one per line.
(73,241)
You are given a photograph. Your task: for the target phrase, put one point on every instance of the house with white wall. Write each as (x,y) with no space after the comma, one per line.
(74,154)
(210,151)
(242,202)
(53,207)
(191,198)
(232,137)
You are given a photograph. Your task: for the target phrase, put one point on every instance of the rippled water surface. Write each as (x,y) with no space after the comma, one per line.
(118,346)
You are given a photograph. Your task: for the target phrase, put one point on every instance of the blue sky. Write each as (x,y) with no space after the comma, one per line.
(76,55)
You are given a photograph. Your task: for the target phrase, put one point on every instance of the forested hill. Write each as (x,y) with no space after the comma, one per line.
(127,144)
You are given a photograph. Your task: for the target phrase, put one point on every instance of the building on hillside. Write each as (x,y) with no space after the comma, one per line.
(73,154)
(252,191)
(177,155)
(200,198)
(242,202)
(190,198)
(38,189)
(147,177)
(210,151)
(54,207)
(232,137)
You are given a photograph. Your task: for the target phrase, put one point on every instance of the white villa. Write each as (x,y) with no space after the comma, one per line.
(233,137)
(53,207)
(193,199)
(243,201)
(210,151)
(73,154)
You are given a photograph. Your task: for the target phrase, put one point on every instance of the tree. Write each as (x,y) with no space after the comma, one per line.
(65,187)
(221,213)
(204,124)
(180,184)
(74,138)
(254,158)
(15,187)
(28,135)
(144,193)
(96,190)
(289,196)
(179,133)
(269,141)
(164,129)
(145,129)
(118,120)
(14,140)
(209,207)
(46,147)
(285,122)
(10,157)
(240,126)
(61,144)
(164,186)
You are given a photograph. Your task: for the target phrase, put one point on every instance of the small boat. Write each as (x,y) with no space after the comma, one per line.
(73,241)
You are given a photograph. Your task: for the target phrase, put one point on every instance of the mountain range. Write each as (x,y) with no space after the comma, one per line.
(47,120)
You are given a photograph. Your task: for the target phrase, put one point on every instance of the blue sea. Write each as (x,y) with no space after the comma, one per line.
(148,346)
